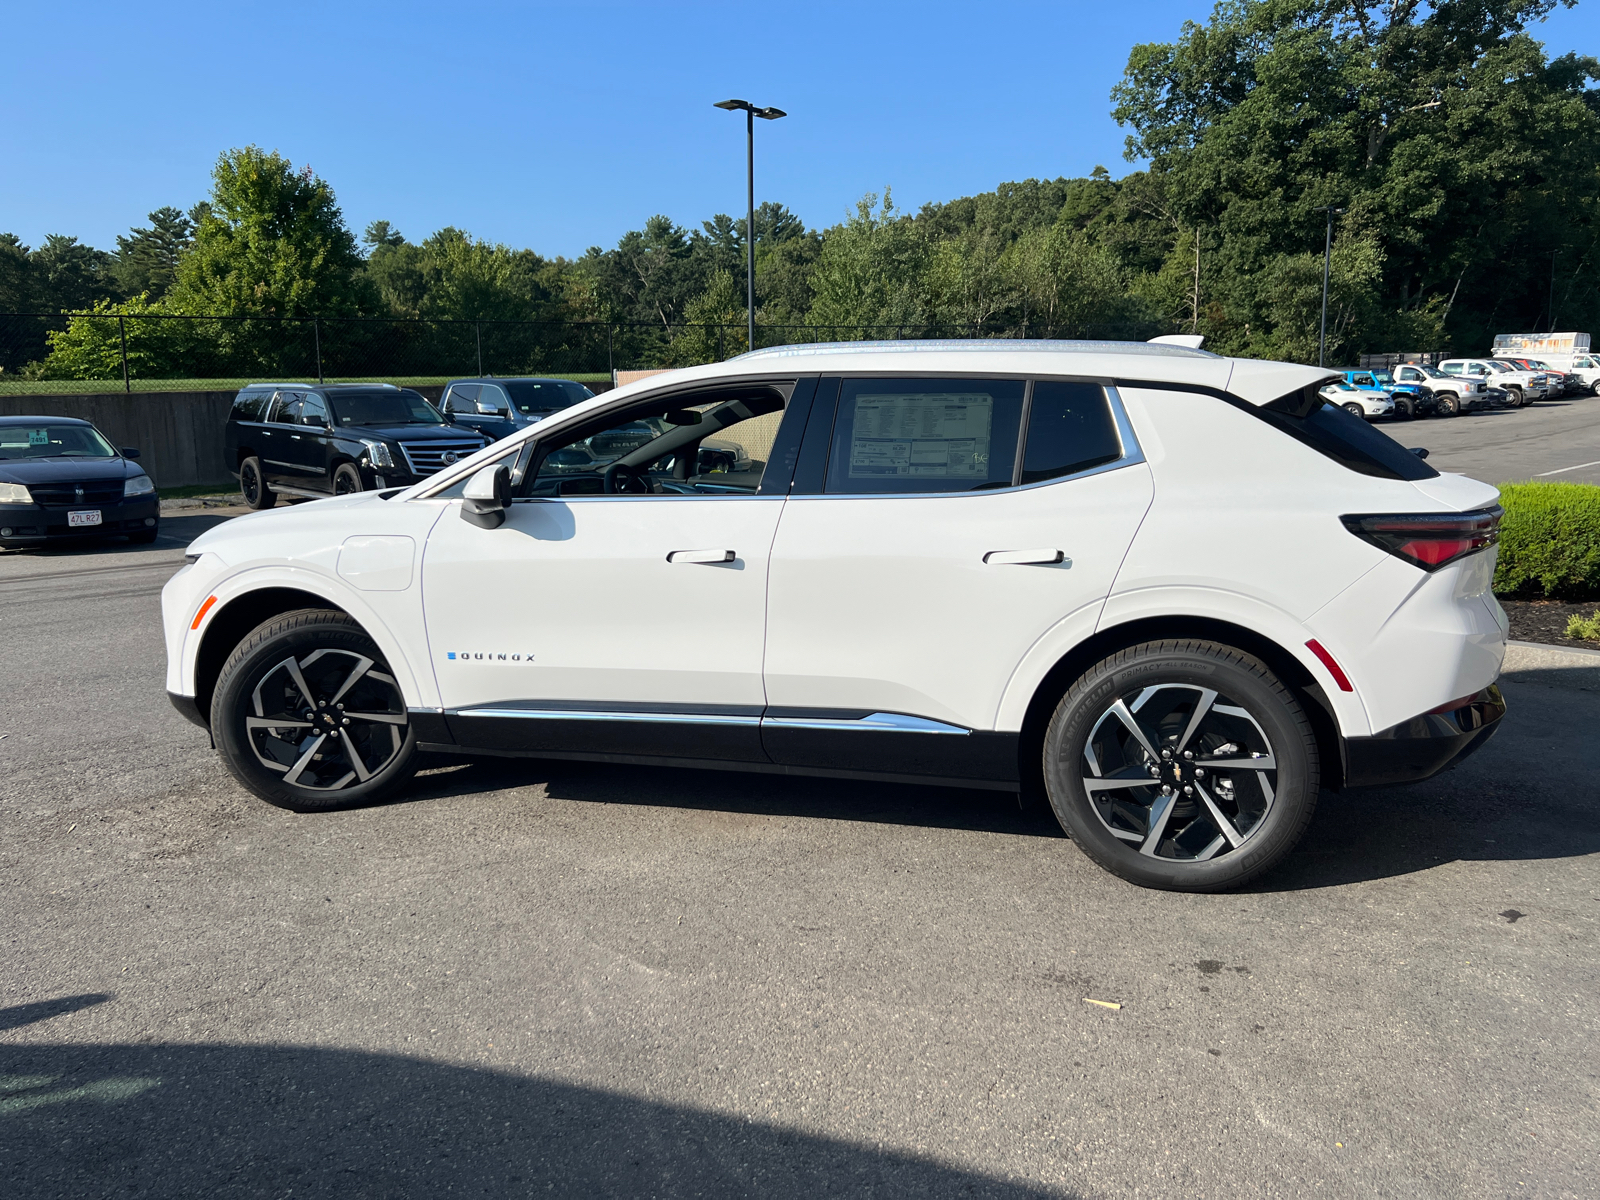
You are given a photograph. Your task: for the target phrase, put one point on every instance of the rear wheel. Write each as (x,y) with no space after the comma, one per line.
(1183,765)
(308,716)
(253,486)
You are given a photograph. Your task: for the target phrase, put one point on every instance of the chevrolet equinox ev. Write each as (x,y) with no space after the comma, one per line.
(1175,594)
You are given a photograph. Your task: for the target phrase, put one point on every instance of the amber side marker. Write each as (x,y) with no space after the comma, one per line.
(204,609)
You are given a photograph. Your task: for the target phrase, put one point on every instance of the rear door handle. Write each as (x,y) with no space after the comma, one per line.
(1025,558)
(701,556)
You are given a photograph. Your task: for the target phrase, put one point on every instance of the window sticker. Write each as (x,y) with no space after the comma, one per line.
(38,437)
(940,434)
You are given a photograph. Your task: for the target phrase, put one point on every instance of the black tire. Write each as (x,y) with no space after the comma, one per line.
(1449,404)
(256,684)
(1355,410)
(1403,410)
(146,537)
(1270,805)
(347,480)
(1515,398)
(253,485)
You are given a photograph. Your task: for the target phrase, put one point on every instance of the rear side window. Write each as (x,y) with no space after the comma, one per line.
(924,435)
(1070,429)
(1348,440)
(250,406)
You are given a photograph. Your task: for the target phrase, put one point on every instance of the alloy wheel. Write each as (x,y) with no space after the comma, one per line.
(1180,771)
(329,720)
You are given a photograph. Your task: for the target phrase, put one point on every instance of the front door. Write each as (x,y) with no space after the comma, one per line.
(620,608)
(958,521)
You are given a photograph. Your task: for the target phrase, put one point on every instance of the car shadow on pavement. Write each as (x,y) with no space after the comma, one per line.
(176,532)
(204,1120)
(749,792)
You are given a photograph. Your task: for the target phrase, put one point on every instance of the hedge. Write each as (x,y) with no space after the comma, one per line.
(1549,541)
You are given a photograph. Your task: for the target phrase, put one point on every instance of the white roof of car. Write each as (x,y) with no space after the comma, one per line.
(1256,380)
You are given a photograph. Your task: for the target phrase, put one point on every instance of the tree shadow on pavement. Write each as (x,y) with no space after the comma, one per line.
(208,1120)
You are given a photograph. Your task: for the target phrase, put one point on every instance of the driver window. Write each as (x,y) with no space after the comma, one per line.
(462,399)
(690,446)
(314,412)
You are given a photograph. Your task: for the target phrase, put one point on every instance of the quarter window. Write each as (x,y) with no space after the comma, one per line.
(1070,429)
(924,435)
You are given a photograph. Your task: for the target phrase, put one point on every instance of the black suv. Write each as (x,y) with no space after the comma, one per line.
(304,439)
(497,408)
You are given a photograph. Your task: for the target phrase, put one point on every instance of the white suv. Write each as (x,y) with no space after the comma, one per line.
(1176,594)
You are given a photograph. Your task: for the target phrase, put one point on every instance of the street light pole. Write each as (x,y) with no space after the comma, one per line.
(751,113)
(1327,259)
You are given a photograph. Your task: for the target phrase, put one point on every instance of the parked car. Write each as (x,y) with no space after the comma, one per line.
(62,479)
(1561,383)
(895,595)
(1452,394)
(1410,399)
(1367,402)
(311,440)
(1587,368)
(1521,386)
(497,408)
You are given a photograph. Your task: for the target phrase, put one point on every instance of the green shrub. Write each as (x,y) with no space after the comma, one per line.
(1549,541)
(1584,627)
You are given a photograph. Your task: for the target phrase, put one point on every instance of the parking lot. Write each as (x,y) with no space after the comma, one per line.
(1557,440)
(535,977)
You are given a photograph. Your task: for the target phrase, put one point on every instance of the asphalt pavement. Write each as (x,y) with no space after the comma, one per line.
(532,977)
(1555,440)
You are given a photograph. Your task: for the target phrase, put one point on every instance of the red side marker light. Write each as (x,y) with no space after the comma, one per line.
(204,609)
(1334,669)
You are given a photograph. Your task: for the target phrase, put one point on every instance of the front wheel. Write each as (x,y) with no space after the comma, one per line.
(309,717)
(346,480)
(1402,410)
(1182,765)
(1449,404)
(1355,410)
(1515,398)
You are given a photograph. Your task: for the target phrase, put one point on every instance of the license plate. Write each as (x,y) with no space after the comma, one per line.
(87,516)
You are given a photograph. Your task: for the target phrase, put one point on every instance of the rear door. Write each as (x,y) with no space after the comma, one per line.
(955,522)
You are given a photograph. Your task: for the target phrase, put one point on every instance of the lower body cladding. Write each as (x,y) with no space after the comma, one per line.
(35,524)
(860,745)
(882,746)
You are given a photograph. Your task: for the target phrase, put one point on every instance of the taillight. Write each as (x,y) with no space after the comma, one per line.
(1429,540)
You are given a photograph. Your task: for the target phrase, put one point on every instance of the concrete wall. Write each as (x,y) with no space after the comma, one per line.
(178,434)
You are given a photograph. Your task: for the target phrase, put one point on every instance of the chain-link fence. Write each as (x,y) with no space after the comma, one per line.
(44,353)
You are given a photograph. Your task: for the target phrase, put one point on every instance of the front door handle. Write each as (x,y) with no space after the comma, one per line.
(701,556)
(1025,558)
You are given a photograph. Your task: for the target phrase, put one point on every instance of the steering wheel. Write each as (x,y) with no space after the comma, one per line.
(622,480)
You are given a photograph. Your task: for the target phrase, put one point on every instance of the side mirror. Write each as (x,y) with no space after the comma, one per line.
(487,408)
(130,452)
(486,496)
(1419,452)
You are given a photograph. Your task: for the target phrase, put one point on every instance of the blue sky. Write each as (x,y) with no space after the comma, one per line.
(562,126)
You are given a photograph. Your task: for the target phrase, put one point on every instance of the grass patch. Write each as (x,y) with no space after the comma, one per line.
(197,489)
(81,387)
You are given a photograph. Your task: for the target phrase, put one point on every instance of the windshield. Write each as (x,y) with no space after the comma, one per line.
(1339,385)
(53,441)
(1499,366)
(544,395)
(1430,372)
(385,407)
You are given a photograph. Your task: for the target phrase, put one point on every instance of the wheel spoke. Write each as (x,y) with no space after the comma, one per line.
(363,665)
(1256,762)
(293,667)
(1201,708)
(355,757)
(1160,813)
(1120,711)
(304,760)
(386,718)
(1224,826)
(274,723)
(1115,782)
(1217,843)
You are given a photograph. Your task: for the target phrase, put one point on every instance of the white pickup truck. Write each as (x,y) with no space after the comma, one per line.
(1452,394)
(1522,387)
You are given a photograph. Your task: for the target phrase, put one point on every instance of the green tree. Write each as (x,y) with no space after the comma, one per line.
(147,258)
(870,272)
(90,347)
(1463,158)
(714,324)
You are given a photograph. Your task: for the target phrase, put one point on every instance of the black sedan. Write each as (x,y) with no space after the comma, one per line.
(60,478)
